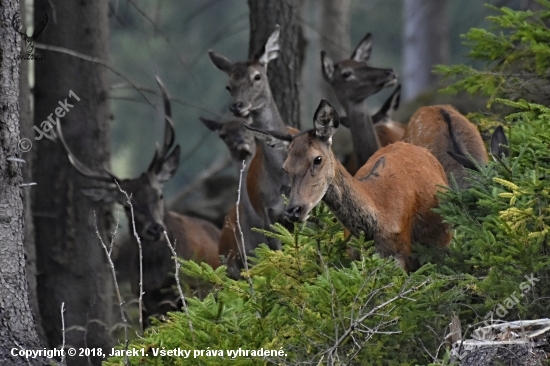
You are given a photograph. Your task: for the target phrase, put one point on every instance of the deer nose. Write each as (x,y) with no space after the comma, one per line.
(293,213)
(154,231)
(235,108)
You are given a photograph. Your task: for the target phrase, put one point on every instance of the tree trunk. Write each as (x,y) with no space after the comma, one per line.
(334,40)
(26,123)
(17,326)
(71,261)
(284,72)
(426,44)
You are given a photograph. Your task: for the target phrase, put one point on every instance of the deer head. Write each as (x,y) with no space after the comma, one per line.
(146,190)
(310,164)
(238,139)
(248,82)
(354,80)
(29,40)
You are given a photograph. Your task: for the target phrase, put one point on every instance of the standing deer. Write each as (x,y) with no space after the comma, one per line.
(390,198)
(251,96)
(195,239)
(241,145)
(353,81)
(453,140)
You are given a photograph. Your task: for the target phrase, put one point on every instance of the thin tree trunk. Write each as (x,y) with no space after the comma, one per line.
(71,261)
(17,326)
(26,123)
(284,72)
(426,44)
(334,39)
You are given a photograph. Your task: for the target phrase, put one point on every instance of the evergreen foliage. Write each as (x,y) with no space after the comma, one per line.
(317,305)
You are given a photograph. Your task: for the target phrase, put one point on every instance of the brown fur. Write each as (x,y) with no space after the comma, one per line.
(390,199)
(427,128)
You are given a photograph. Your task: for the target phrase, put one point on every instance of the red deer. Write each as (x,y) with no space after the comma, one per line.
(194,238)
(241,145)
(353,81)
(251,96)
(451,138)
(390,198)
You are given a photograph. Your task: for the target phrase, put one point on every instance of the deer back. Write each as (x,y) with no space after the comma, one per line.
(444,131)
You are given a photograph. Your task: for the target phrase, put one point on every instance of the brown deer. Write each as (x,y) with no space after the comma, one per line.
(453,140)
(251,96)
(353,81)
(194,238)
(241,145)
(390,198)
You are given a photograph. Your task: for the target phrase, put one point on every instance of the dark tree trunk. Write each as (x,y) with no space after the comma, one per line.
(17,326)
(71,263)
(426,44)
(334,40)
(284,72)
(26,122)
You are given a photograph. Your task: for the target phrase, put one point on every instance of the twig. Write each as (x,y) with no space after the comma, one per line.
(120,299)
(242,247)
(372,312)
(62,362)
(94,60)
(140,301)
(215,168)
(178,265)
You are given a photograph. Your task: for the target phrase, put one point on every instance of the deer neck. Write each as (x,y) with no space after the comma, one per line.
(349,203)
(364,137)
(268,117)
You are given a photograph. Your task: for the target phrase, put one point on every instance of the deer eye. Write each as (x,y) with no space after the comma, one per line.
(317,160)
(228,88)
(346,74)
(161,196)
(257,77)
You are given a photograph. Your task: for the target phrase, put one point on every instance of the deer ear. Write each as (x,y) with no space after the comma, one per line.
(169,166)
(499,143)
(325,121)
(390,106)
(463,160)
(106,195)
(327,66)
(363,50)
(271,48)
(272,138)
(212,125)
(221,62)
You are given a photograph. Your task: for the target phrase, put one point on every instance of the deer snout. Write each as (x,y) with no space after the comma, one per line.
(240,109)
(293,213)
(154,231)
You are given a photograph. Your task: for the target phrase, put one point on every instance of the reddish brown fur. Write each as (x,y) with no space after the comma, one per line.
(228,242)
(390,198)
(427,128)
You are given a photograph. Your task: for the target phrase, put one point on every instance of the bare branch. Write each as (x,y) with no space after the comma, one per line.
(95,60)
(62,362)
(178,265)
(140,301)
(242,249)
(119,296)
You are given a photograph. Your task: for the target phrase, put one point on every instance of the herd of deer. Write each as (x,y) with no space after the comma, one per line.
(387,189)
